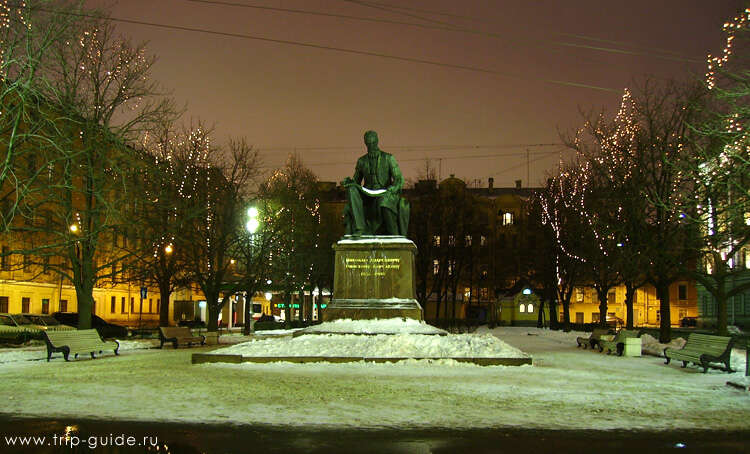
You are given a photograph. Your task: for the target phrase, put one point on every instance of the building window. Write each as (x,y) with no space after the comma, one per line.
(435,266)
(132,305)
(611,297)
(508,218)
(122,306)
(150,303)
(4,304)
(436,240)
(63,305)
(595,317)
(483,240)
(579,296)
(158,302)
(682,291)
(484,293)
(522,308)
(5,260)
(530,308)
(25,305)
(468,241)
(45,306)
(113,304)
(484,274)
(451,267)
(451,240)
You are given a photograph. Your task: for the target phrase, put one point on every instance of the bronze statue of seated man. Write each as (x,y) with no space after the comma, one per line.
(374,203)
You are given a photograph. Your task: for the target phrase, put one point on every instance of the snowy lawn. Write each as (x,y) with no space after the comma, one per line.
(565,388)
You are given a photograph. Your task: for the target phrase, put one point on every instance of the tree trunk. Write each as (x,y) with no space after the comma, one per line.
(214,308)
(665,325)
(288,308)
(85,306)
(602,294)
(540,316)
(566,315)
(722,319)
(164,294)
(629,300)
(553,321)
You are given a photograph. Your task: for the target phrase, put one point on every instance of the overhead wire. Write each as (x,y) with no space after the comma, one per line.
(396,9)
(334,49)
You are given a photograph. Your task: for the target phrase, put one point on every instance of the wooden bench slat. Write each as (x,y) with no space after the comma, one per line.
(76,342)
(702,350)
(179,335)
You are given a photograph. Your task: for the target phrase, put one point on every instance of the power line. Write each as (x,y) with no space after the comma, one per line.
(398,9)
(334,49)
(545,154)
(407,148)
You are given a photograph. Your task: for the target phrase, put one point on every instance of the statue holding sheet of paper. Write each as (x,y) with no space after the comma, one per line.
(374,203)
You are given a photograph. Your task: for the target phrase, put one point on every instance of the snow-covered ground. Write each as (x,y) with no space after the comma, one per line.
(566,387)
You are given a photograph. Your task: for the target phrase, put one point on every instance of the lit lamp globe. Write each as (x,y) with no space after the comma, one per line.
(252,225)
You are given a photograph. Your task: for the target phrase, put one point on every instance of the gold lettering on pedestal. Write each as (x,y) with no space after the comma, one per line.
(372,266)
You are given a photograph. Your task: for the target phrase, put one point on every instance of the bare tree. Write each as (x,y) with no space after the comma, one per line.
(222,189)
(96,92)
(292,193)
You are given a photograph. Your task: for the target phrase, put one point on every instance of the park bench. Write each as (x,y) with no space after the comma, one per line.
(593,340)
(76,342)
(617,344)
(702,350)
(179,335)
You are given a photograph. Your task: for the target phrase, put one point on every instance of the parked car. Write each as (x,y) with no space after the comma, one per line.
(105,328)
(615,322)
(47,322)
(11,332)
(689,322)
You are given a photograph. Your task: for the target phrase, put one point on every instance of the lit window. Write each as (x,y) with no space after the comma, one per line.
(522,308)
(451,240)
(468,240)
(530,308)
(508,218)
(483,240)
(451,266)
(436,240)
(435,266)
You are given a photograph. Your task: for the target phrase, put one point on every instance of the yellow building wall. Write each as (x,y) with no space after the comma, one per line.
(646,307)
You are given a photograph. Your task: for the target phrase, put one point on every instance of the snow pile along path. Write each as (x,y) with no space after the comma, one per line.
(376,326)
(378,346)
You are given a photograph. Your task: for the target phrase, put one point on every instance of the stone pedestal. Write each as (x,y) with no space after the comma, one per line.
(374,278)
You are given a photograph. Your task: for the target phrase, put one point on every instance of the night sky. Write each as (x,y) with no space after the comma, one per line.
(522,61)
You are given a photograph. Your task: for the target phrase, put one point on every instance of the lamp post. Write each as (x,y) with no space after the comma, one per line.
(252,225)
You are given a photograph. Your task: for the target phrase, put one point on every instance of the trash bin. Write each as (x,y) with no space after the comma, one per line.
(632,346)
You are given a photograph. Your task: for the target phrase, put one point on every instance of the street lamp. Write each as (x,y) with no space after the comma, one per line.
(168,248)
(252,223)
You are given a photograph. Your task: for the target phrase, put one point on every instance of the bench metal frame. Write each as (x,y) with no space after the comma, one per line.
(695,351)
(94,345)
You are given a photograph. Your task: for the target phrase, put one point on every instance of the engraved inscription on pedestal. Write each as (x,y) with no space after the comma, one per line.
(374,278)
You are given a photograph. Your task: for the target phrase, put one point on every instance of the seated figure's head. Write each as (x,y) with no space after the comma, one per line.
(371,140)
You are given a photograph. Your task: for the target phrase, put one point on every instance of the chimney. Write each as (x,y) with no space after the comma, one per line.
(518,184)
